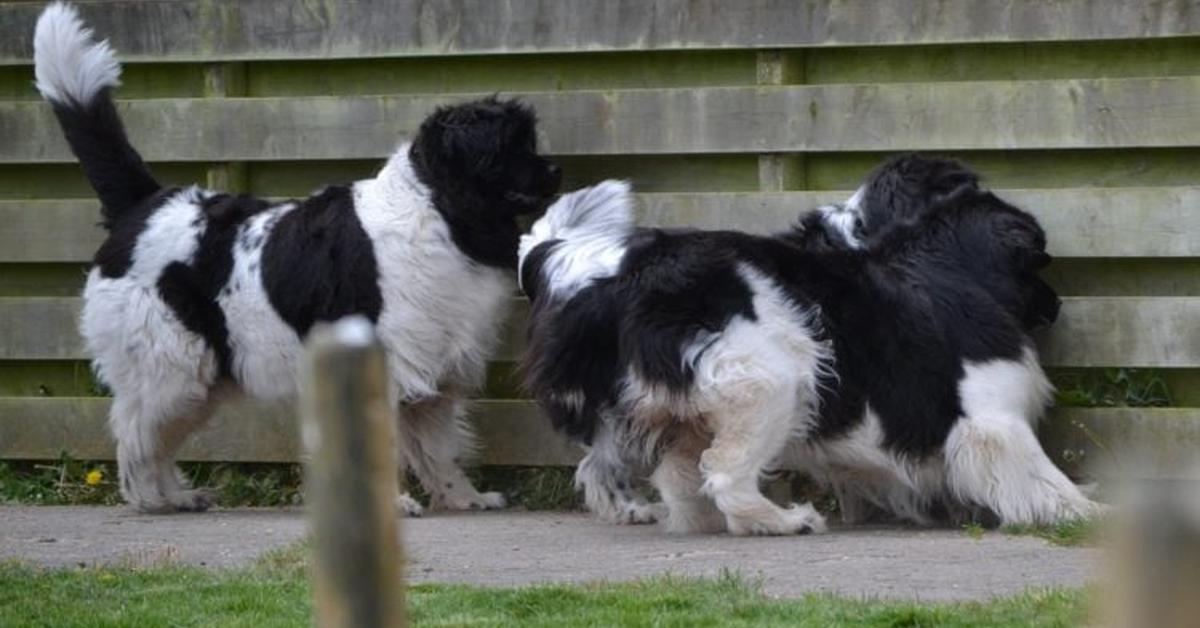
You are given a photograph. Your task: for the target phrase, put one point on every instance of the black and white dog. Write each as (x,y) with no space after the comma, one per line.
(195,292)
(899,195)
(899,371)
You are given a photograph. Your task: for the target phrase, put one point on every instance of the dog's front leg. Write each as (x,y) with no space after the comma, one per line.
(432,437)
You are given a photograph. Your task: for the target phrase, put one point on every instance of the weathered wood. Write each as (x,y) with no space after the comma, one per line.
(265,29)
(1090,332)
(1097,222)
(349,434)
(40,328)
(1114,441)
(1134,112)
(248,431)
(1125,331)
(515,433)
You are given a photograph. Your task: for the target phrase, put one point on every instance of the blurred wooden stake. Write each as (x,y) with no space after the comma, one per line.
(348,433)
(1157,557)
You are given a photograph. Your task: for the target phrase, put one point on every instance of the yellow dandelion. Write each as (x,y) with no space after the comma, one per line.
(94,477)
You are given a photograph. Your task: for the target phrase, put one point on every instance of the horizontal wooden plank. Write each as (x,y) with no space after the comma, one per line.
(515,433)
(1090,222)
(1104,113)
(1123,442)
(1090,332)
(1125,331)
(33,428)
(265,29)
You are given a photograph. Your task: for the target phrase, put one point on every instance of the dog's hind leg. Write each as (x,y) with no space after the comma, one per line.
(607,475)
(433,436)
(149,432)
(751,422)
(679,482)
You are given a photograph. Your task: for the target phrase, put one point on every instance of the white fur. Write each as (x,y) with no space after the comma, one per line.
(991,457)
(854,203)
(843,219)
(69,66)
(595,223)
(606,476)
(438,324)
(755,387)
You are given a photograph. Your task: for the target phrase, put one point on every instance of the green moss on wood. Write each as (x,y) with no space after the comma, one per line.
(166,80)
(59,181)
(657,173)
(1004,62)
(475,74)
(42,280)
(1145,167)
(1125,277)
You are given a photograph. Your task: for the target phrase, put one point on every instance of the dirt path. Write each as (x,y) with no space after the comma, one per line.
(516,548)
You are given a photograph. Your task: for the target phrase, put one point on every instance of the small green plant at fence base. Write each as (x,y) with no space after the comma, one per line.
(1108,388)
(1071,533)
(67,481)
(60,482)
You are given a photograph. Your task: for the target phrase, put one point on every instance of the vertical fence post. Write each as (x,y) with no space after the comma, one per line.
(348,432)
(778,172)
(226,80)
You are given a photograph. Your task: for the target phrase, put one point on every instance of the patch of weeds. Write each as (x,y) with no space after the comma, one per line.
(293,558)
(60,482)
(1072,533)
(974,530)
(67,481)
(1107,388)
(249,484)
(533,488)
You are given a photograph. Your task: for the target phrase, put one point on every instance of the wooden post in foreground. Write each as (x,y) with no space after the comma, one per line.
(348,432)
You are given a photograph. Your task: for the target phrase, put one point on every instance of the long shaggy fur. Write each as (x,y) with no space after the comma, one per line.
(195,293)
(896,367)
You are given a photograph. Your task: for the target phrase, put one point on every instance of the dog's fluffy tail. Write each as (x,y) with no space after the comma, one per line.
(75,73)
(588,229)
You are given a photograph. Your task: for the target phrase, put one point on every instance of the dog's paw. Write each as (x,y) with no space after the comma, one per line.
(406,506)
(478,501)
(639,513)
(798,519)
(195,500)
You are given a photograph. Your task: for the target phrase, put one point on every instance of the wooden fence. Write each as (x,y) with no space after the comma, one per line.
(730,114)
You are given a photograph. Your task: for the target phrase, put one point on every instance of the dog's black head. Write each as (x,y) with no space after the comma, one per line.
(480,160)
(904,188)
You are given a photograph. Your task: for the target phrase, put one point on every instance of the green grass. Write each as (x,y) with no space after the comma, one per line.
(276,593)
(1073,533)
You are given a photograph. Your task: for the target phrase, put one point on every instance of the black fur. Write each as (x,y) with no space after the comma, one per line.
(903,190)
(319,264)
(115,255)
(902,316)
(115,170)
(900,191)
(191,290)
(128,192)
(480,161)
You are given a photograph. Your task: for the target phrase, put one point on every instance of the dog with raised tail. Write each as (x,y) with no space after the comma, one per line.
(194,292)
(899,373)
